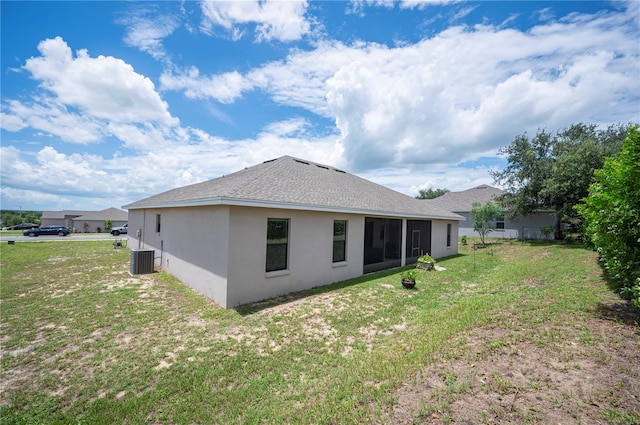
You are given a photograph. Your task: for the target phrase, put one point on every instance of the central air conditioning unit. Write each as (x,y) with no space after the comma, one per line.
(141,261)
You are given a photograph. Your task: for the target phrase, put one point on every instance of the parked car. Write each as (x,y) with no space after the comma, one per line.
(122,229)
(47,230)
(22,226)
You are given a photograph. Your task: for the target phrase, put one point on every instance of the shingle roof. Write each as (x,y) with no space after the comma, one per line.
(62,214)
(293,183)
(109,213)
(462,201)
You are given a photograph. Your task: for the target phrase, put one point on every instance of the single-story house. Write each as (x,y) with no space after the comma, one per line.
(519,227)
(282,226)
(85,221)
(59,218)
(96,221)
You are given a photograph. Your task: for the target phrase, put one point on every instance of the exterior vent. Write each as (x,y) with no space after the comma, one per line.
(141,261)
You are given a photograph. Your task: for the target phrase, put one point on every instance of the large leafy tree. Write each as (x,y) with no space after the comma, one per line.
(554,171)
(484,218)
(431,193)
(612,216)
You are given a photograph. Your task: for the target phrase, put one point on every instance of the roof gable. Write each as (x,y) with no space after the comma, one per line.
(288,182)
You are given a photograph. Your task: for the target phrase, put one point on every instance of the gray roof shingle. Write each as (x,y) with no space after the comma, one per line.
(462,201)
(288,182)
(109,213)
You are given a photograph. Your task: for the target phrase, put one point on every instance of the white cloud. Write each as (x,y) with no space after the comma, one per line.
(456,96)
(103,87)
(181,157)
(225,88)
(46,115)
(146,32)
(274,20)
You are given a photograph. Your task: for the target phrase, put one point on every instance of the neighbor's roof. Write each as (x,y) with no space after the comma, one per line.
(462,201)
(293,183)
(61,214)
(110,213)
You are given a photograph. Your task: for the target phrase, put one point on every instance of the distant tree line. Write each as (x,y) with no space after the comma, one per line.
(431,193)
(554,170)
(12,217)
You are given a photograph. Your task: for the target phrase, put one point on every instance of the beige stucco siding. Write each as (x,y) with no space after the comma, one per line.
(439,248)
(310,252)
(192,245)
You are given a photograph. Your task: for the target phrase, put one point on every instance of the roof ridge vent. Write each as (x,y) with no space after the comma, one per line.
(322,166)
(301,161)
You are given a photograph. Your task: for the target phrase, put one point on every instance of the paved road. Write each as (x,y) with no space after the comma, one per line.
(72,237)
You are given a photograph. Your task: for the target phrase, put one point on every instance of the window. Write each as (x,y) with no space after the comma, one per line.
(157,223)
(339,241)
(277,243)
(448,234)
(500,222)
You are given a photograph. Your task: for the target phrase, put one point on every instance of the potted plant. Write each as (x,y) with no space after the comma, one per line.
(426,262)
(408,278)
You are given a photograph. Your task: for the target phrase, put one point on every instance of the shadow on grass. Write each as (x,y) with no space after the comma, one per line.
(247,309)
(619,312)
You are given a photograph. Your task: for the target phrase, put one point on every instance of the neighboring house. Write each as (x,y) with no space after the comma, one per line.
(76,219)
(96,221)
(523,227)
(285,225)
(59,218)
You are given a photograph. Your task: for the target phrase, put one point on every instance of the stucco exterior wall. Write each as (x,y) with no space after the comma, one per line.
(93,225)
(220,251)
(525,227)
(439,248)
(192,245)
(310,251)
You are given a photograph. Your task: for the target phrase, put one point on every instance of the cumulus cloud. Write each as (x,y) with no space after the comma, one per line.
(102,87)
(456,96)
(177,159)
(274,20)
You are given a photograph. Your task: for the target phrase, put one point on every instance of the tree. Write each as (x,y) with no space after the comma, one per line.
(431,193)
(612,216)
(484,218)
(554,171)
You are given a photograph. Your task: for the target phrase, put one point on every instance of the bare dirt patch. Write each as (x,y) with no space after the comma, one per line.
(587,372)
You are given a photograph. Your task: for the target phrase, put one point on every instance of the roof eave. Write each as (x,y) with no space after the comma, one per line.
(256,203)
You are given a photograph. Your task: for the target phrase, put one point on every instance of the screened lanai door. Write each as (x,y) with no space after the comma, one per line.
(418,239)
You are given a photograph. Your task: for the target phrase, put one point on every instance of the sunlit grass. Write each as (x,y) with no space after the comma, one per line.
(85,342)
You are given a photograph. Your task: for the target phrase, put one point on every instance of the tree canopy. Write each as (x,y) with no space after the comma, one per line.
(431,193)
(554,171)
(612,216)
(484,218)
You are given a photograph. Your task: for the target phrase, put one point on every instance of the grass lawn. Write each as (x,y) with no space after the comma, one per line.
(517,332)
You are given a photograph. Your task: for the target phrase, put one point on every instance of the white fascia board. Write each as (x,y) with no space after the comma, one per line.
(290,206)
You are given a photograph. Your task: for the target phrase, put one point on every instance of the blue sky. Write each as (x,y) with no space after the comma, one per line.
(105,103)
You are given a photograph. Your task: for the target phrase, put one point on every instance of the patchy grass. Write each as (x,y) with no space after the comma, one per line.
(516,332)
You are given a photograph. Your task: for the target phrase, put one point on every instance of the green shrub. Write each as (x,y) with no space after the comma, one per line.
(612,217)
